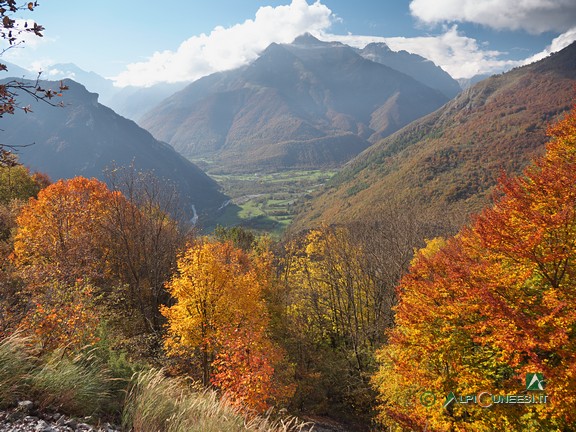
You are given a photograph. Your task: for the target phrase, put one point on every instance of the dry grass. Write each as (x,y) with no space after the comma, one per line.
(159,404)
(76,385)
(81,385)
(16,363)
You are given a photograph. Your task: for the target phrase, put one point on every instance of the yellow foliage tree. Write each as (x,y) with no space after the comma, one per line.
(332,285)
(339,290)
(220,318)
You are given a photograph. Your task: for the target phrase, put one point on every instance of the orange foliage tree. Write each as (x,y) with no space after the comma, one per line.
(498,301)
(220,319)
(244,368)
(59,252)
(63,316)
(60,233)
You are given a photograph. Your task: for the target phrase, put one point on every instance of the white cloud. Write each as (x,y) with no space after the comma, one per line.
(227,48)
(557,44)
(54,73)
(535,16)
(41,65)
(459,55)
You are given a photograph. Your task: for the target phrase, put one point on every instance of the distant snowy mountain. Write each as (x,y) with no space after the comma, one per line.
(130,102)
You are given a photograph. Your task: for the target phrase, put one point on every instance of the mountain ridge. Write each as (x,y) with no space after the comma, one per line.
(418,67)
(85,137)
(281,110)
(448,161)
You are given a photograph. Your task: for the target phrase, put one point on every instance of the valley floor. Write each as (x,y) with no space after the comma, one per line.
(266,201)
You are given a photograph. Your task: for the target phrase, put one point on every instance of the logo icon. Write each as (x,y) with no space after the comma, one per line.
(449,399)
(427,399)
(535,381)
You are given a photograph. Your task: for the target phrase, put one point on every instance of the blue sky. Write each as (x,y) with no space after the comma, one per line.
(143,42)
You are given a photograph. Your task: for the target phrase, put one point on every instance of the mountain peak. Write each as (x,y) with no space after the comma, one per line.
(310,104)
(413,65)
(376,46)
(308,40)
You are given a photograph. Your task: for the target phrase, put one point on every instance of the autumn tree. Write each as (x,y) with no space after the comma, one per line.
(430,349)
(60,233)
(492,304)
(120,244)
(220,320)
(60,253)
(529,236)
(146,230)
(338,296)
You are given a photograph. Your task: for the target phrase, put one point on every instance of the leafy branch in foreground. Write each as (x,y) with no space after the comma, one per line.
(9,92)
(13,30)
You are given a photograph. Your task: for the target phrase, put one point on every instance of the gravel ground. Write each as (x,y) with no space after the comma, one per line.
(26,418)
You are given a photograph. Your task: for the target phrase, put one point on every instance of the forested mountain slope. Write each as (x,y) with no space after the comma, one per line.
(449,160)
(84,137)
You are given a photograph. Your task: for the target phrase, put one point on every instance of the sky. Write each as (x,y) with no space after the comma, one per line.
(146,42)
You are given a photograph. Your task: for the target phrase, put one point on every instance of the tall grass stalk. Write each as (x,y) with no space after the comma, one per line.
(159,404)
(16,362)
(79,385)
(82,385)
